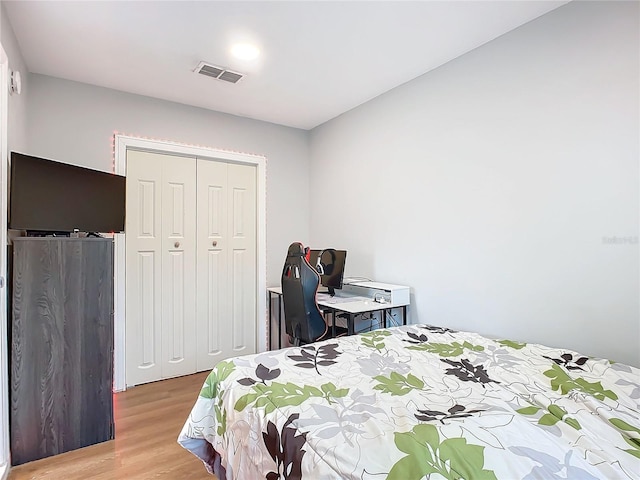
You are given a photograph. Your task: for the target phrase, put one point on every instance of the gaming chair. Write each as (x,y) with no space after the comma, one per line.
(303,319)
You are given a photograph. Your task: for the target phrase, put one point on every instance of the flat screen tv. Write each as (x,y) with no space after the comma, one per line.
(49,196)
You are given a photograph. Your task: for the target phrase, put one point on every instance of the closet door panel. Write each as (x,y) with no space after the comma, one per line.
(214,314)
(143,266)
(146,331)
(242,254)
(178,266)
(212,265)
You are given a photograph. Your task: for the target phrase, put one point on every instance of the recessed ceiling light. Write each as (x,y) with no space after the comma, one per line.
(245,51)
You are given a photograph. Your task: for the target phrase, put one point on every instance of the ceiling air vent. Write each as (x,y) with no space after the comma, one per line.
(218,72)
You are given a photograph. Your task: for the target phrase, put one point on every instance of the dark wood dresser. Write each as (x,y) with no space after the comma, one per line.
(61,335)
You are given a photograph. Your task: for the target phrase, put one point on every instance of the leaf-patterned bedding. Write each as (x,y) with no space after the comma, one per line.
(416,402)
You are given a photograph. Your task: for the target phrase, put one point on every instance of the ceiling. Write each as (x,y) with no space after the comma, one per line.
(318,58)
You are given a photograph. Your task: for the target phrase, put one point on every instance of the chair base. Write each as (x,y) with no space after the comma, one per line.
(340,331)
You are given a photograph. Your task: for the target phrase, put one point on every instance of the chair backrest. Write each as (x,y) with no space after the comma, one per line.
(303,319)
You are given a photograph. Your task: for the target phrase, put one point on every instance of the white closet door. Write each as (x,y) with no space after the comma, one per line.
(160,267)
(213,296)
(143,266)
(226,261)
(178,266)
(242,258)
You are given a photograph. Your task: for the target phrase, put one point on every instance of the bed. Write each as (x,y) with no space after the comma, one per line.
(414,402)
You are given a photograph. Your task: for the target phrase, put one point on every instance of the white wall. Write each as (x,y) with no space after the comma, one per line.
(17,126)
(489,184)
(74,123)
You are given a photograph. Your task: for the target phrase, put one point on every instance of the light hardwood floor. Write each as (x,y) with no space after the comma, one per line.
(148,420)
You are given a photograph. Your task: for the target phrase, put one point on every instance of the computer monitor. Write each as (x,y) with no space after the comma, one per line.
(330,265)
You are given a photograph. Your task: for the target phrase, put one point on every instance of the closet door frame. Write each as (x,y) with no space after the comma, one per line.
(122,143)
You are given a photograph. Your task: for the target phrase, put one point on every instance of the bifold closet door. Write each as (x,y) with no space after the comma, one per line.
(226,261)
(160,266)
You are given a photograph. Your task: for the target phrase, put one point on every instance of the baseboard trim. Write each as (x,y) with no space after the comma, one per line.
(4,471)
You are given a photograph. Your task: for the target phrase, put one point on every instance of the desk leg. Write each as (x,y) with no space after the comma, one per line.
(279,321)
(333,323)
(350,324)
(384,317)
(404,315)
(270,319)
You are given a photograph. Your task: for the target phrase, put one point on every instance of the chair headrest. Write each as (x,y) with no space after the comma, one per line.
(296,249)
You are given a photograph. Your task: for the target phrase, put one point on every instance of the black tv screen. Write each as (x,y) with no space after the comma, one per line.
(52,196)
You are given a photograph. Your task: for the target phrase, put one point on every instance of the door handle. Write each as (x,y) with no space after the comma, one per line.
(214,243)
(177,244)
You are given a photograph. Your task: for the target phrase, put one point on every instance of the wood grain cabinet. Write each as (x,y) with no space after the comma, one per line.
(61,339)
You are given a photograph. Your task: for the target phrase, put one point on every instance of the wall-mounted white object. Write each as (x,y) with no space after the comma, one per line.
(15,83)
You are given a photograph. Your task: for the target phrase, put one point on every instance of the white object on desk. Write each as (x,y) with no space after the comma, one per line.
(384,293)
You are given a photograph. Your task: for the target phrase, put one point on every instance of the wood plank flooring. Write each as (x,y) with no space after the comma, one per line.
(148,420)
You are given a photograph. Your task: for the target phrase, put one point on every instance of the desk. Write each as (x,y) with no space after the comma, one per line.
(349,304)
